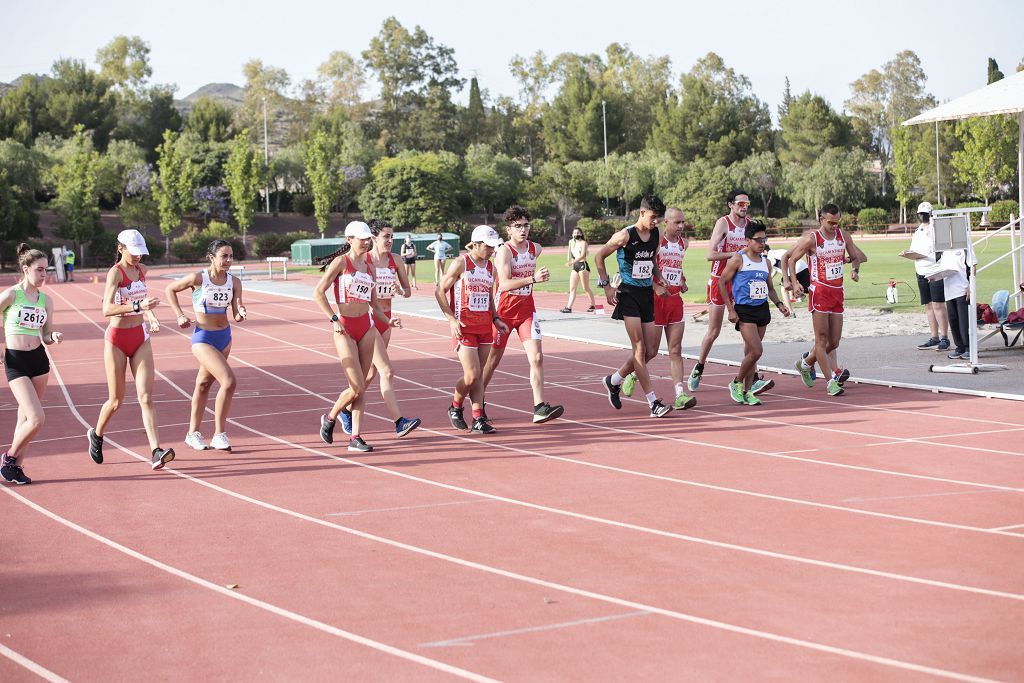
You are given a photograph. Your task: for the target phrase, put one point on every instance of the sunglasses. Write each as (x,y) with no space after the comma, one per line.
(832,223)
(760,240)
(742,205)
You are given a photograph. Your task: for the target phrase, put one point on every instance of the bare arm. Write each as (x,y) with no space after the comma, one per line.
(171,292)
(454,272)
(617,241)
(110,308)
(237,307)
(773,295)
(48,335)
(802,247)
(403,279)
(320,291)
(717,235)
(857,257)
(725,282)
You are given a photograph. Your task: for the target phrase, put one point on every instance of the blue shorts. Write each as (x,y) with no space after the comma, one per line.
(218,339)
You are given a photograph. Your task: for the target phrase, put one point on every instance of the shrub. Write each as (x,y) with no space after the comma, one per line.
(788,222)
(1001,210)
(542,233)
(303,203)
(191,247)
(598,231)
(975,216)
(276,243)
(848,221)
(873,218)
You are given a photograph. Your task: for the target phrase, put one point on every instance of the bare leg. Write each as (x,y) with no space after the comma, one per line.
(215,363)
(116,364)
(348,354)
(536,355)
(144,371)
(585,278)
(574,283)
(822,340)
(716,314)
(941,320)
(29,395)
(476,392)
(383,367)
(472,373)
(641,337)
(365,349)
(752,350)
(674,336)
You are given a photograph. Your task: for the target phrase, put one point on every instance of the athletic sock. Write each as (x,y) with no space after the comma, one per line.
(616,378)
(804,365)
(477,412)
(680,388)
(456,404)
(651,398)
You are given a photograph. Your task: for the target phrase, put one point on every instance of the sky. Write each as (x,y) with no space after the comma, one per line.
(821,46)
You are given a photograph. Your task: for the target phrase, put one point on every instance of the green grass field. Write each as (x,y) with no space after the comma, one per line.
(883,264)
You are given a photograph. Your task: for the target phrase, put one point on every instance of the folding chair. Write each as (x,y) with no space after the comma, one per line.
(1001,308)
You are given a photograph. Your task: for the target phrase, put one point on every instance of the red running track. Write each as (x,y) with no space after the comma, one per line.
(877,535)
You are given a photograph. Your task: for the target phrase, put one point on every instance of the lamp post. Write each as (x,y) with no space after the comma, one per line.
(604,124)
(266,153)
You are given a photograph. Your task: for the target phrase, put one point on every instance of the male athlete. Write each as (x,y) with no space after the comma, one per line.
(515,263)
(726,239)
(668,305)
(826,249)
(636,249)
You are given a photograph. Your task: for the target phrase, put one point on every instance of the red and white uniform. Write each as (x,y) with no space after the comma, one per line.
(668,310)
(516,307)
(129,339)
(826,263)
(735,239)
(130,291)
(386,277)
(470,300)
(353,286)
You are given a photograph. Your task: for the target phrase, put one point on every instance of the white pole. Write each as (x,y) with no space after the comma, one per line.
(938,182)
(604,124)
(1020,208)
(972,299)
(266,151)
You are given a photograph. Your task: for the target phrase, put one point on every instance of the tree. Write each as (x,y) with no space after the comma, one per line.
(124,62)
(701,192)
(635,89)
(761,172)
(809,126)
(571,188)
(20,170)
(76,201)
(787,97)
(145,116)
(324,174)
(21,109)
(572,125)
(491,179)
(263,82)
(210,120)
(907,167)
(994,74)
(837,176)
(340,81)
(413,189)
(113,168)
(534,75)
(243,175)
(714,115)
(988,157)
(75,96)
(474,118)
(175,183)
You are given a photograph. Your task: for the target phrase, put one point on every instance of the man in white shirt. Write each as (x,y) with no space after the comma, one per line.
(440,249)
(957,290)
(932,295)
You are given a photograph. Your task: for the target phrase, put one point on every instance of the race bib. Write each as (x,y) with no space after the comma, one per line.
(219,297)
(31,318)
(833,271)
(758,289)
(386,283)
(673,276)
(642,270)
(479,301)
(359,287)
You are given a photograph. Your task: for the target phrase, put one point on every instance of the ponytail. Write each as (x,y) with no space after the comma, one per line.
(26,255)
(324,261)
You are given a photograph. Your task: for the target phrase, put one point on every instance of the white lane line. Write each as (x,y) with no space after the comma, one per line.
(853,654)
(37,669)
(924,495)
(356,513)
(1007,528)
(241,597)
(469,640)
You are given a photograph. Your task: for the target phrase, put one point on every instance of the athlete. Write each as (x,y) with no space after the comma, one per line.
(636,250)
(214,291)
(409,259)
(576,258)
(826,249)
(440,249)
(668,305)
(727,237)
(515,263)
(349,271)
(28,324)
(745,285)
(126,302)
(466,298)
(390,279)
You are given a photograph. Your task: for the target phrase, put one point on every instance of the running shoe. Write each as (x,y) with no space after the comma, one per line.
(613,392)
(327,429)
(629,384)
(565,310)
(346,421)
(943,344)
(220,442)
(456,418)
(966,355)
(814,373)
(404,426)
(843,375)
(483,414)
(750,399)
(694,381)
(833,387)
(659,409)
(12,472)
(546,412)
(95,446)
(805,373)
(683,402)
(591,309)
(761,385)
(357,444)
(954,354)
(934,341)
(194,440)
(482,426)
(161,456)
(736,391)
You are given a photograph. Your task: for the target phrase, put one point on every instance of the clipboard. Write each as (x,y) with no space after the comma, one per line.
(913,255)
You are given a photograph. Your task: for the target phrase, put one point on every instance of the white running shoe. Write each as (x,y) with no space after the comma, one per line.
(194,440)
(220,442)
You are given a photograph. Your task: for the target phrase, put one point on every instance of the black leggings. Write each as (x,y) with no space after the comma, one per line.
(959,322)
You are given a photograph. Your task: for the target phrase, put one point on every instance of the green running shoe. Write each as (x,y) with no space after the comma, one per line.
(736,392)
(629,384)
(683,402)
(761,385)
(805,373)
(694,380)
(833,387)
(750,399)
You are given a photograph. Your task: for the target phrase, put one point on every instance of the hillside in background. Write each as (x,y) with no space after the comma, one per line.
(228,94)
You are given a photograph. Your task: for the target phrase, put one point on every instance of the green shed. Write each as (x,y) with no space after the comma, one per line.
(304,251)
(421,240)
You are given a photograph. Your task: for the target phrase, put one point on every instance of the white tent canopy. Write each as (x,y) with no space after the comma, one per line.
(1005,96)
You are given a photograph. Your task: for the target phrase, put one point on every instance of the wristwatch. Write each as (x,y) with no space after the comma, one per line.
(335,318)
(603,283)
(136,306)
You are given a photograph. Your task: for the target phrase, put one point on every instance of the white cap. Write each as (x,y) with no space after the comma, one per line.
(134,242)
(487,235)
(358,229)
(924,207)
